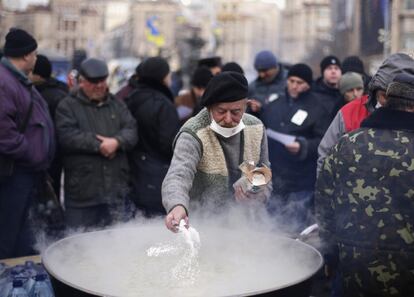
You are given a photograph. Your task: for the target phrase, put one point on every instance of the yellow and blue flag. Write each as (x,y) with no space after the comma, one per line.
(152,33)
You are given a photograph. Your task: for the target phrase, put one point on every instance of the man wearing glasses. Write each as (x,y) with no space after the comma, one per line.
(95,131)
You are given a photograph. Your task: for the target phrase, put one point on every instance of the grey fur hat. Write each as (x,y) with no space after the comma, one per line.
(402,87)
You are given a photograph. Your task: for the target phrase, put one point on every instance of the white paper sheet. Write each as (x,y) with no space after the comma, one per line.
(281,137)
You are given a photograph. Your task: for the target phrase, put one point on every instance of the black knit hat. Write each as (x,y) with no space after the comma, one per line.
(402,87)
(43,67)
(210,62)
(353,64)
(329,60)
(225,87)
(201,77)
(155,68)
(232,66)
(19,43)
(302,71)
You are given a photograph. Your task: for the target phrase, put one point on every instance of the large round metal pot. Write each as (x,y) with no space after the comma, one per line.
(117,263)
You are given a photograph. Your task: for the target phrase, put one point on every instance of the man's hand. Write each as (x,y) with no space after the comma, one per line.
(172,220)
(293,147)
(255,105)
(108,147)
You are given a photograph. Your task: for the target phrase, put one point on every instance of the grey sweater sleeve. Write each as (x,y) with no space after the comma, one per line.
(331,137)
(179,179)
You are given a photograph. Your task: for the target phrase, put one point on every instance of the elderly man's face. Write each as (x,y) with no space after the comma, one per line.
(95,91)
(228,114)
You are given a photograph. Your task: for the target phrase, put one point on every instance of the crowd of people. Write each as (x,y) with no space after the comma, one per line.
(101,158)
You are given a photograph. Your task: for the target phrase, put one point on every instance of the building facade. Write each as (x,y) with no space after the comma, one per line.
(306,30)
(244,28)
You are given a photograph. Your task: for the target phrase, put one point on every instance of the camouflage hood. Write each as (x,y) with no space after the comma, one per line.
(393,65)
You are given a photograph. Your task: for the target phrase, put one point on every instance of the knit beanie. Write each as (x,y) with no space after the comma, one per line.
(19,43)
(227,86)
(302,71)
(43,67)
(155,68)
(353,64)
(232,66)
(402,87)
(265,60)
(329,60)
(201,77)
(349,81)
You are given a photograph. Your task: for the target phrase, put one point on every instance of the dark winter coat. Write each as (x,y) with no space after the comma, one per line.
(126,90)
(365,205)
(152,106)
(53,91)
(90,178)
(33,149)
(330,98)
(265,92)
(294,173)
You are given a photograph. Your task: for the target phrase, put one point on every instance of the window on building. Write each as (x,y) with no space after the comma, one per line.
(409,4)
(407,41)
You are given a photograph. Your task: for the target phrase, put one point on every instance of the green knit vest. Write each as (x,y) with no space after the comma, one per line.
(211,181)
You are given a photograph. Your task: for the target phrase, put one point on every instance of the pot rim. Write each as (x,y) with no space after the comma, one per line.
(94,293)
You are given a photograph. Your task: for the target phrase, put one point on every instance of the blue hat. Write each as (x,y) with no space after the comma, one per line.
(265,60)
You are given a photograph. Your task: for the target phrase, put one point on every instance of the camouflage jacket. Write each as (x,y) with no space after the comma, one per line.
(365,205)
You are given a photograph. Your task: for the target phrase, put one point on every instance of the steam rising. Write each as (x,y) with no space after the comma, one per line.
(239,251)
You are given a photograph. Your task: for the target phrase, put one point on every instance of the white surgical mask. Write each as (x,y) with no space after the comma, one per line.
(378,105)
(226,132)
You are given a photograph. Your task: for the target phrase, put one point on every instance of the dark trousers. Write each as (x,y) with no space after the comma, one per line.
(16,196)
(98,216)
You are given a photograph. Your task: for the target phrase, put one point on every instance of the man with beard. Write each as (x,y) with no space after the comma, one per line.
(95,131)
(209,149)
